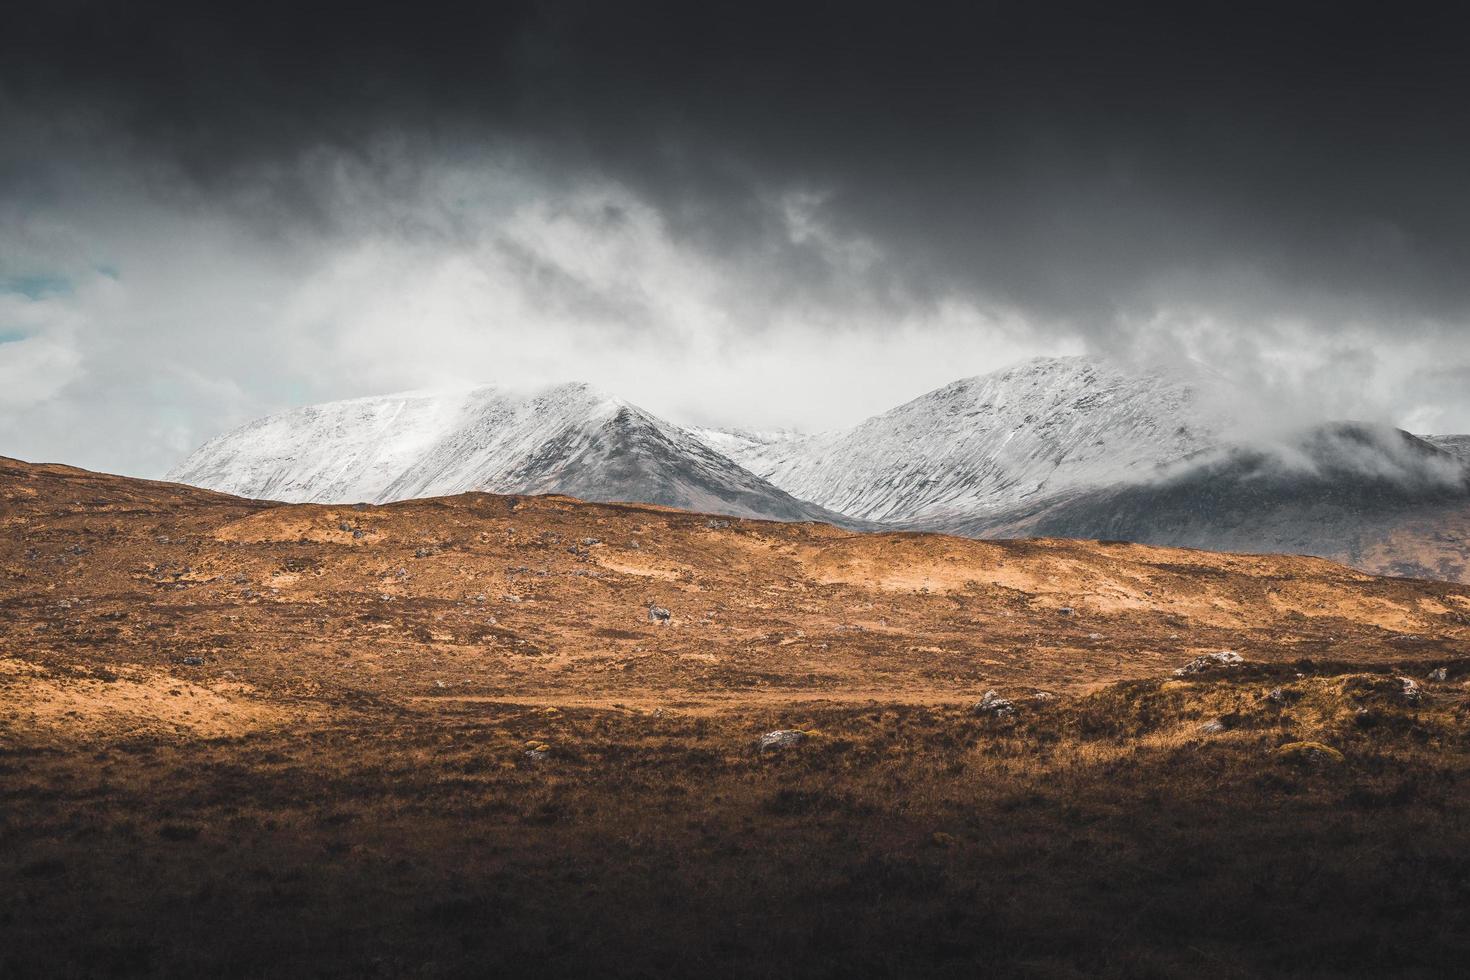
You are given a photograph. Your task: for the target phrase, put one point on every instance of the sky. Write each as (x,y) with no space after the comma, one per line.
(754,214)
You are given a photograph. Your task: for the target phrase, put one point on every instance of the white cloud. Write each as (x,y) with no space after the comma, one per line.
(488,271)
(39,355)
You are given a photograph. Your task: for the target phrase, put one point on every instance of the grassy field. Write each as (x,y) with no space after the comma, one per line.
(443,738)
(1101,834)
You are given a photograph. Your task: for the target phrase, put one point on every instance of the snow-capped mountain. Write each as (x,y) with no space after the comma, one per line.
(979,445)
(568,439)
(1068,447)
(988,443)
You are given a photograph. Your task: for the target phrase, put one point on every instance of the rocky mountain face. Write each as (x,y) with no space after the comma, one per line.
(987,443)
(569,439)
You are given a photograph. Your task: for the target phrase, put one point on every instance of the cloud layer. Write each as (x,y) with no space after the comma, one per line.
(731,213)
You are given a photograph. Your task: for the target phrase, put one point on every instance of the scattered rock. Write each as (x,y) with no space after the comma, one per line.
(1313,754)
(994,705)
(537,750)
(1064,611)
(192,661)
(1439,674)
(784,738)
(1210,661)
(589,542)
(714,524)
(658,614)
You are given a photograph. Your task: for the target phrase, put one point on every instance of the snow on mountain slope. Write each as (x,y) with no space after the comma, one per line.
(988,442)
(757,451)
(567,439)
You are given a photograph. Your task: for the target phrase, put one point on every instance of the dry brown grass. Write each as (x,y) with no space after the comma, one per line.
(1098,834)
(342,787)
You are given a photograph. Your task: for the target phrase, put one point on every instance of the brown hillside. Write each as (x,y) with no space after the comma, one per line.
(443,738)
(310,608)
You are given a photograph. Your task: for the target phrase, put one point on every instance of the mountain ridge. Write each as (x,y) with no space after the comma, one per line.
(569,438)
(1070,447)
(989,441)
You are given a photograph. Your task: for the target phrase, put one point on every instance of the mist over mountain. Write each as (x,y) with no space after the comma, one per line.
(1369,495)
(1455,445)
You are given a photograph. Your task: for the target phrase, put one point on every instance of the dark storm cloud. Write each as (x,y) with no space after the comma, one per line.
(1061,157)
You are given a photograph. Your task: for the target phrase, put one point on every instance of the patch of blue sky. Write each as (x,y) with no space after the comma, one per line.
(36,287)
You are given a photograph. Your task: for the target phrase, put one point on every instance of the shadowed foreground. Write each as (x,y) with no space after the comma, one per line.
(442,738)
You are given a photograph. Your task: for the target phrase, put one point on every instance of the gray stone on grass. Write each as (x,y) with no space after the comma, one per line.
(784,738)
(1210,661)
(994,705)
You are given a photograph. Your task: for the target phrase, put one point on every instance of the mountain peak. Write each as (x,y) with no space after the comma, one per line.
(570,438)
(990,440)
(1027,368)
